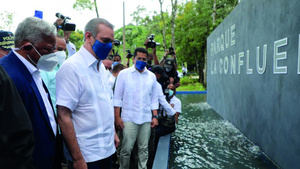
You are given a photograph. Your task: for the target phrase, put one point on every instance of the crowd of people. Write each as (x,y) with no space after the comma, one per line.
(82,108)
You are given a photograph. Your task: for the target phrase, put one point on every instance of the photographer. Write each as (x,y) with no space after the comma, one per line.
(128,56)
(62,23)
(150,43)
(170,66)
(115,55)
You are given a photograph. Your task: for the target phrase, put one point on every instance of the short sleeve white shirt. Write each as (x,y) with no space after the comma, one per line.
(177,104)
(135,93)
(85,91)
(162,100)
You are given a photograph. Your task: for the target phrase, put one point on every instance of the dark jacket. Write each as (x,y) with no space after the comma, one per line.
(47,149)
(16,135)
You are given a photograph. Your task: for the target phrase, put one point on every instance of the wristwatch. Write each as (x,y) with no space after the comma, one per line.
(155,116)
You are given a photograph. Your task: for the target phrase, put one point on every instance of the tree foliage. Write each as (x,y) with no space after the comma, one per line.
(76,37)
(6,20)
(193,24)
(86,4)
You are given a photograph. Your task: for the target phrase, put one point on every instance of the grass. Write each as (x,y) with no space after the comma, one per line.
(190,83)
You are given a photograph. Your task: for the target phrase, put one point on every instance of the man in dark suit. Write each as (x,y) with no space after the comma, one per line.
(16,138)
(35,43)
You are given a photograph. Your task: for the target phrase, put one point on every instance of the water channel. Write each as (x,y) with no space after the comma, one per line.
(204,140)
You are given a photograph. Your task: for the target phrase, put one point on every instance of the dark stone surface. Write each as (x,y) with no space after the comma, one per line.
(265,107)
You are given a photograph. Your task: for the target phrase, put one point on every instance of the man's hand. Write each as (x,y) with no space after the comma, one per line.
(146,43)
(154,122)
(59,21)
(117,140)
(67,35)
(119,123)
(79,164)
(177,84)
(176,117)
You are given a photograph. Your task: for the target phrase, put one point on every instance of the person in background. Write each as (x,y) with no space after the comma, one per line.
(16,138)
(83,100)
(35,45)
(151,56)
(163,104)
(184,70)
(71,48)
(135,94)
(49,77)
(176,104)
(115,71)
(6,42)
(117,58)
(169,65)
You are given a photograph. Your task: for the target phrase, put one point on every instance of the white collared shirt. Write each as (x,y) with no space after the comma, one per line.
(177,104)
(85,91)
(162,100)
(38,81)
(135,93)
(70,48)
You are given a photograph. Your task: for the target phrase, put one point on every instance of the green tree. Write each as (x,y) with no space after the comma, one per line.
(137,15)
(76,37)
(192,24)
(195,21)
(6,20)
(86,4)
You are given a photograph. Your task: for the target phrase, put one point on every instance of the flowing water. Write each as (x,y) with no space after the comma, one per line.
(204,140)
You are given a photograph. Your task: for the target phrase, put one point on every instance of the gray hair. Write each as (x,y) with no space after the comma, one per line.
(33,30)
(92,25)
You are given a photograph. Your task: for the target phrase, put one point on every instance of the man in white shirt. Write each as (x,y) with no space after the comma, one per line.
(135,93)
(84,104)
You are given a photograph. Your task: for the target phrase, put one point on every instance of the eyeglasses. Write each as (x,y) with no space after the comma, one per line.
(140,58)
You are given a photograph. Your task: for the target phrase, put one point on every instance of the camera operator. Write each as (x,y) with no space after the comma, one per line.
(150,43)
(115,55)
(170,66)
(68,28)
(128,56)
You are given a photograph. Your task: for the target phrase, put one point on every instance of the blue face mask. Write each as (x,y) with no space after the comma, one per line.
(101,49)
(140,65)
(171,92)
(115,63)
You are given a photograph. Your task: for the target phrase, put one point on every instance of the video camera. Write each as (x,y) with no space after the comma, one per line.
(65,26)
(151,43)
(129,55)
(116,43)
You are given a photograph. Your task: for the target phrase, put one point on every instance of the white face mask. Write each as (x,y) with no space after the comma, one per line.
(46,62)
(61,56)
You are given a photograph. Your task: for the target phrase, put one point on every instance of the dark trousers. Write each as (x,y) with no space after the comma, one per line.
(100,164)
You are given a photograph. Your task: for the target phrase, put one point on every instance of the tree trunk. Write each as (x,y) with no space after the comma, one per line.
(174,11)
(164,27)
(214,13)
(124,41)
(96,8)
